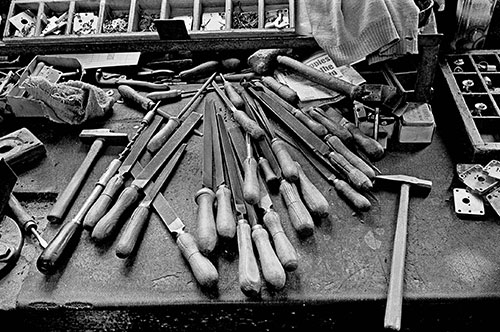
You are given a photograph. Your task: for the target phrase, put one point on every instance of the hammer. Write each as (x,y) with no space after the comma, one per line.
(100,137)
(265,60)
(392,318)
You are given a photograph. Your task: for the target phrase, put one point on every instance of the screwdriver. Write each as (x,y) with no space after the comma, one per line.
(24,220)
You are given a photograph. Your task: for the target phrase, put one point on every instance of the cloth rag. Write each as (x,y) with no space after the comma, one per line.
(72,102)
(351,30)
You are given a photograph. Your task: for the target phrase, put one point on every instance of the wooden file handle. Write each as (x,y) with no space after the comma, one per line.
(158,139)
(225,222)
(203,270)
(206,231)
(107,225)
(357,178)
(359,201)
(272,270)
(314,200)
(248,270)
(132,230)
(287,164)
(284,249)
(251,190)
(356,161)
(299,216)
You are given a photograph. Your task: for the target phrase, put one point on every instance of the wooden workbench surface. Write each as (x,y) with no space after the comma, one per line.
(343,268)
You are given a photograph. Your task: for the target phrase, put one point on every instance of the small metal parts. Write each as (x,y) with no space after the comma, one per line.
(493,199)
(479,109)
(493,169)
(467,85)
(24,22)
(478,180)
(85,23)
(468,204)
(55,24)
(116,24)
(485,66)
(458,65)
(277,19)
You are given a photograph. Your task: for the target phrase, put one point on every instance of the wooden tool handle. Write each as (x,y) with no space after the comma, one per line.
(284,249)
(233,96)
(354,92)
(203,269)
(357,178)
(102,204)
(272,270)
(333,127)
(248,270)
(356,161)
(248,125)
(251,189)
(199,70)
(109,222)
(158,139)
(314,200)
(315,126)
(394,304)
(287,164)
(359,201)
(281,90)
(50,258)
(373,149)
(65,198)
(225,222)
(270,177)
(20,213)
(131,232)
(299,216)
(206,231)
(132,96)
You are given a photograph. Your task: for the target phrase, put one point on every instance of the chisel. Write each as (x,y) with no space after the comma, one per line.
(127,241)
(358,201)
(116,182)
(173,122)
(107,224)
(206,230)
(203,270)
(313,142)
(248,269)
(249,125)
(272,270)
(225,222)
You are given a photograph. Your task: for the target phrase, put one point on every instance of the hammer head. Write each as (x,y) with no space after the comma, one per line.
(110,137)
(422,186)
(264,60)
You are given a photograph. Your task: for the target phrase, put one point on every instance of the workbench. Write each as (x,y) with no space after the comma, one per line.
(452,268)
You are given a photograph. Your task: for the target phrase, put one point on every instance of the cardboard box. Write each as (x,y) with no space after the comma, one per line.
(20,104)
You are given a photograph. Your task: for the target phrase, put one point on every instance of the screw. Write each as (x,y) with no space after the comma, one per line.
(480,108)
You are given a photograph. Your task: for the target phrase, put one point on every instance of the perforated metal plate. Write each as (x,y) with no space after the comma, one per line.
(493,169)
(478,180)
(493,198)
(468,203)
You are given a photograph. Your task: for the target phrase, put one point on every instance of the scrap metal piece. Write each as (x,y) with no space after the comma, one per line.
(493,199)
(493,169)
(468,204)
(478,180)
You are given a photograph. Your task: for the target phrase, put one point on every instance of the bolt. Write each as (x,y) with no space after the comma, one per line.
(5,251)
(480,108)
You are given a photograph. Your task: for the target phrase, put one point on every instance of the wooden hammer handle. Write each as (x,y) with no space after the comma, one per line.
(354,92)
(65,198)
(394,304)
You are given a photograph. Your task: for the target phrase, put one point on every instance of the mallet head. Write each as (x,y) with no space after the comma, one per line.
(264,60)
(422,186)
(111,137)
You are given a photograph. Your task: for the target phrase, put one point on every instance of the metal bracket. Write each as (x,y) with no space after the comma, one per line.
(467,203)
(493,198)
(493,169)
(478,180)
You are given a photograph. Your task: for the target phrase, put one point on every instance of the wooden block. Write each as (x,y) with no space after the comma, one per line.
(21,149)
